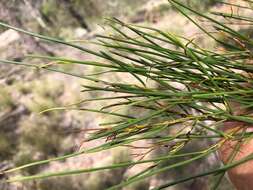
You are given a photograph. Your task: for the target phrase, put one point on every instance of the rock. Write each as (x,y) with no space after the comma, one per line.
(80,32)
(8,37)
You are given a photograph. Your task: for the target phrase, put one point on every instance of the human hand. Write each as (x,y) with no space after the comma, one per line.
(242,175)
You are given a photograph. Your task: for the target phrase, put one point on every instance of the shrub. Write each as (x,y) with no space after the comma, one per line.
(195,91)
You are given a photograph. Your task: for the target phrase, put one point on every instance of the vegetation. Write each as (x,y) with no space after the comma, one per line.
(179,93)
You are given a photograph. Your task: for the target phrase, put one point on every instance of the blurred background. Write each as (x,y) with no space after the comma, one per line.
(26,135)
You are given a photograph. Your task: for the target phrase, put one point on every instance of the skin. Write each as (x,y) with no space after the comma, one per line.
(241,176)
